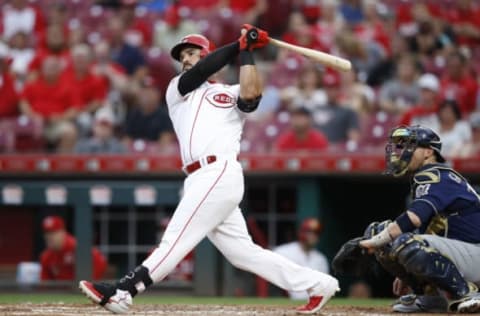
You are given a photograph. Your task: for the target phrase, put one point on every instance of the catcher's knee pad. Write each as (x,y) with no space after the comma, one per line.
(428,264)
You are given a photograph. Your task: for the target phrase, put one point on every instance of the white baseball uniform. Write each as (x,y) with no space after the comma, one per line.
(208,122)
(312,259)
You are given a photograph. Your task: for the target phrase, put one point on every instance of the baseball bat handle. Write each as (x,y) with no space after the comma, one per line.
(329,60)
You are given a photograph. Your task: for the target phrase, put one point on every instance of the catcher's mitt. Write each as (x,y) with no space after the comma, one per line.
(352,260)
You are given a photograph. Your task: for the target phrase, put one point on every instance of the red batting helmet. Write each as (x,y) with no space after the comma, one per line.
(309,225)
(195,40)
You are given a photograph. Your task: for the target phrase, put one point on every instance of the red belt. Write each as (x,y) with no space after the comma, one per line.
(194,166)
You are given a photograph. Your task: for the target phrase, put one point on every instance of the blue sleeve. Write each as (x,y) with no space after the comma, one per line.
(423,208)
(431,198)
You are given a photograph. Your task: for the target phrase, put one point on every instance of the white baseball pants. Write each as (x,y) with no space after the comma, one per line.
(209,207)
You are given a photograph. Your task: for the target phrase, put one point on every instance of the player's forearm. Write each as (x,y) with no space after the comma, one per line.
(250,81)
(393,230)
(206,67)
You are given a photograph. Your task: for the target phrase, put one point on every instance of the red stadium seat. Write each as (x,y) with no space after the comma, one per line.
(21,135)
(375,129)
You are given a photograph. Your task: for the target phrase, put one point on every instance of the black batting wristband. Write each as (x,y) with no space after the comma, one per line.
(405,223)
(248,106)
(246,58)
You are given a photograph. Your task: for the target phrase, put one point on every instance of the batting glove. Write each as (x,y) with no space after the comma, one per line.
(252,38)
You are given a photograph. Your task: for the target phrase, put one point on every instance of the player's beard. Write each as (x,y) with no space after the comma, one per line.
(186,66)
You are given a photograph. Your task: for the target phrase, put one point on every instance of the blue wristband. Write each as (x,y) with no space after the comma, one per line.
(405,223)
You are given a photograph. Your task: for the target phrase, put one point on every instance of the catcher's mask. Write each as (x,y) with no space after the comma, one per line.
(402,143)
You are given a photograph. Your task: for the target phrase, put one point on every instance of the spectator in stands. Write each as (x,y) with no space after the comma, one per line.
(88,90)
(463,18)
(308,92)
(47,99)
(56,45)
(57,15)
(172,27)
(424,113)
(363,55)
(138,32)
(21,54)
(103,139)
(8,95)
(112,74)
(58,259)
(458,84)
(129,57)
(429,45)
(299,32)
(402,92)
(472,148)
(312,10)
(149,121)
(355,94)
(372,27)
(386,69)
(303,251)
(301,136)
(249,10)
(339,123)
(329,24)
(20,16)
(352,11)
(453,131)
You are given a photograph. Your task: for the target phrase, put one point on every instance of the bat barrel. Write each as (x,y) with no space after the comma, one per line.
(332,61)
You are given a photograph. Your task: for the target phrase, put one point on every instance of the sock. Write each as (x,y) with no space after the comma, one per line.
(135,281)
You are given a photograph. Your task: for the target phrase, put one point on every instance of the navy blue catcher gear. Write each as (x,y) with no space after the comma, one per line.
(403,141)
(426,263)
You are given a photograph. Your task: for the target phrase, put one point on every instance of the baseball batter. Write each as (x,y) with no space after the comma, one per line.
(208,118)
(434,247)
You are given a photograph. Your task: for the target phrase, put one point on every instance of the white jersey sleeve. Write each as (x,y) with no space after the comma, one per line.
(173,96)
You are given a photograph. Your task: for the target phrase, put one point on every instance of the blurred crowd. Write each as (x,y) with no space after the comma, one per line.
(89,76)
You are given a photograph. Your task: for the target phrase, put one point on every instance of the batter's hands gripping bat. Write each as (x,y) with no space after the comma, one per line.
(329,60)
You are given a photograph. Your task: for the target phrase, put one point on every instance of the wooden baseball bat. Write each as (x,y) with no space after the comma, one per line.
(329,60)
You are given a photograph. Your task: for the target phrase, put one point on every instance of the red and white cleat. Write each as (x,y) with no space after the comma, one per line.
(319,296)
(107,296)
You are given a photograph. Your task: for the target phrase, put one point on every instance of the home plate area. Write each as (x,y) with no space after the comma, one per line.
(185,310)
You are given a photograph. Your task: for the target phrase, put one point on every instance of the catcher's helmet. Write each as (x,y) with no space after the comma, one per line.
(403,141)
(195,40)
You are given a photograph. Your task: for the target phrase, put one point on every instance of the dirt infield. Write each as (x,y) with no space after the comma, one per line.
(185,310)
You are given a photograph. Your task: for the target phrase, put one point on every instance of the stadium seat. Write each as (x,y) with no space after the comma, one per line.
(375,128)
(22,134)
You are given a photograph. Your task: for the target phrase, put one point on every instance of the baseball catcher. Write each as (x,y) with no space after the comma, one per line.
(433,249)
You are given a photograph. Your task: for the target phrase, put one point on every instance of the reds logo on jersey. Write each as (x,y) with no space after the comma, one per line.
(221,99)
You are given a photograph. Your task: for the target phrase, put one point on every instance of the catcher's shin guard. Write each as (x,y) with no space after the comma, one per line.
(390,264)
(426,263)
